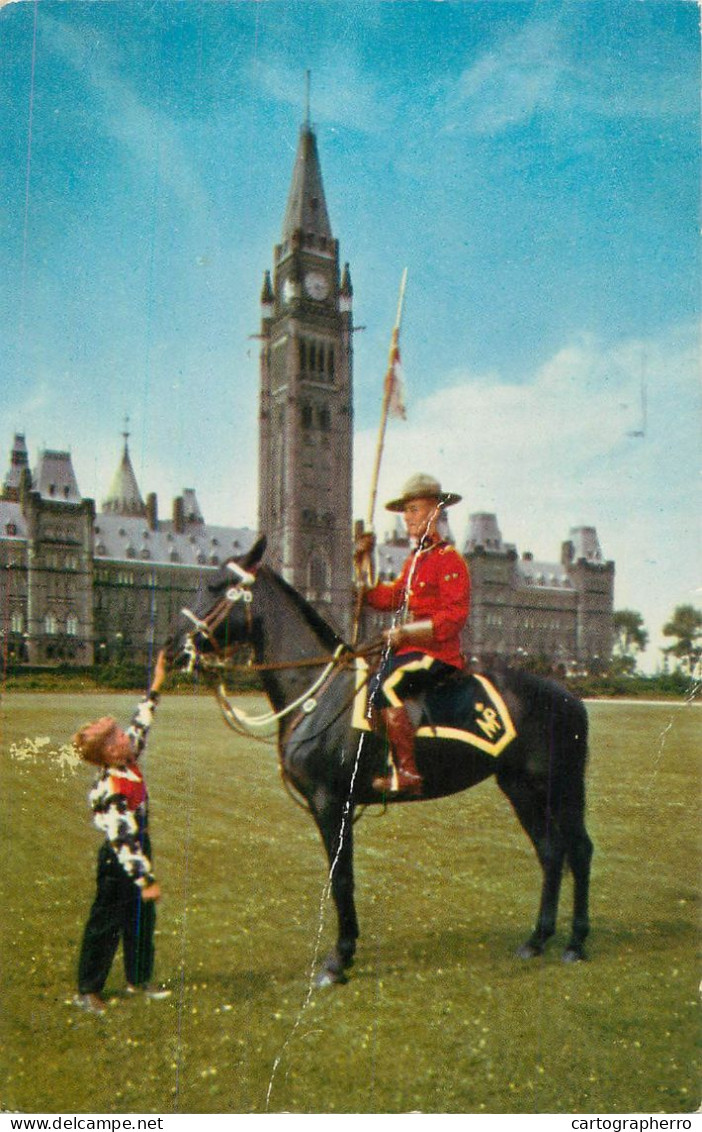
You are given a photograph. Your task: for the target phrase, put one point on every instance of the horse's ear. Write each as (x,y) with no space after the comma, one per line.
(252,559)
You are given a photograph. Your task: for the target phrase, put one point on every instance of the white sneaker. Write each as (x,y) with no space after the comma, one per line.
(155,993)
(92,1003)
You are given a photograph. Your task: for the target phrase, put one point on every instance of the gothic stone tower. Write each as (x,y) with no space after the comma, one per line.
(306,416)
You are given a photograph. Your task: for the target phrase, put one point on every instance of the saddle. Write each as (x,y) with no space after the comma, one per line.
(465,708)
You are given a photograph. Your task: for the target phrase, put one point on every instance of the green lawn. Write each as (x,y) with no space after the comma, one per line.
(439,1016)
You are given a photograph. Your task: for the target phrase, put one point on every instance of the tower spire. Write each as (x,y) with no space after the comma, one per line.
(306,210)
(308,122)
(124,497)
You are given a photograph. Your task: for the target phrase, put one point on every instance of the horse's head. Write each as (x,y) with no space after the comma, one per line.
(220,618)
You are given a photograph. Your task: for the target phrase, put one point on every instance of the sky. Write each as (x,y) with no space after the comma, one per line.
(533,165)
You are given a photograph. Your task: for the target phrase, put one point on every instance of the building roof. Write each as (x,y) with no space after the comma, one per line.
(129,537)
(549,575)
(484,534)
(55,479)
(585,544)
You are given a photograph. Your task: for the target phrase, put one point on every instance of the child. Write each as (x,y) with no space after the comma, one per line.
(125,901)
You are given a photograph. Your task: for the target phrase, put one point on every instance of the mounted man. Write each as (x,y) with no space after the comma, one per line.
(431,601)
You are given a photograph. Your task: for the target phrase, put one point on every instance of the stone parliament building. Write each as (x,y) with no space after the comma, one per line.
(82,586)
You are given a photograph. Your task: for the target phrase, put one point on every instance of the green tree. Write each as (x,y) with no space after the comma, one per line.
(630,639)
(686,626)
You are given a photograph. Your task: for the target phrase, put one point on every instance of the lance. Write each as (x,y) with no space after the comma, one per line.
(364,569)
(387,397)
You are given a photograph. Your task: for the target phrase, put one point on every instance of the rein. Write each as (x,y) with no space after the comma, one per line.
(306,700)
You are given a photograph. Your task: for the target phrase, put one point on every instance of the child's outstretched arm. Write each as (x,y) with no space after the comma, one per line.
(159,671)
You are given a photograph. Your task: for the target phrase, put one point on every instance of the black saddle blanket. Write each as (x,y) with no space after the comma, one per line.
(464,709)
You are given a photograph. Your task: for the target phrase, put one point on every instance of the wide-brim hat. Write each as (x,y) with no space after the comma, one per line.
(421,486)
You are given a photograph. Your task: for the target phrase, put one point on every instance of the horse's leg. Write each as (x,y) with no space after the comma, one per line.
(334,819)
(579,854)
(579,851)
(530,803)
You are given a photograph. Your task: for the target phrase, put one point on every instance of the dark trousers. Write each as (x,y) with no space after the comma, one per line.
(405,676)
(118,911)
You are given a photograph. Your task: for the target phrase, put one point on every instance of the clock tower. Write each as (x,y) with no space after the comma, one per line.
(306,414)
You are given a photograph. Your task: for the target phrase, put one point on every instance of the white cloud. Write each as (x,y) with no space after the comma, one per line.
(509,84)
(537,69)
(147,133)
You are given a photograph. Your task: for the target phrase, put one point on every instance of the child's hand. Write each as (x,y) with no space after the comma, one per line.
(159,671)
(151,892)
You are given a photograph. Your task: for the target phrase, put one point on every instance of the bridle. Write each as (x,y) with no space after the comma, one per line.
(223,658)
(207,626)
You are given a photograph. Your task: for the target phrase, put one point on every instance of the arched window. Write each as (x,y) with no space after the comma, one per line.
(318,577)
(50,624)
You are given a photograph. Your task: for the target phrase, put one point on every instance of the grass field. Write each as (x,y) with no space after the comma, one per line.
(439,1016)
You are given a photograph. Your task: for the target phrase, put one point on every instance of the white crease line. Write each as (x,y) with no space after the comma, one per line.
(320,928)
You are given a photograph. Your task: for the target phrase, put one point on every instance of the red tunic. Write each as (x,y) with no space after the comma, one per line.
(439,591)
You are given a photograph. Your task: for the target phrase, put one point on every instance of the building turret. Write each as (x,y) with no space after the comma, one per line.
(19,460)
(267,296)
(345,290)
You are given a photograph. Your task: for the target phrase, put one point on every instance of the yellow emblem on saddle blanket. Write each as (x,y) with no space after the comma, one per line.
(488,724)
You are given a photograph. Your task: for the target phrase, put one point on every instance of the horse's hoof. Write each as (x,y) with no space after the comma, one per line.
(327,978)
(573,955)
(529,950)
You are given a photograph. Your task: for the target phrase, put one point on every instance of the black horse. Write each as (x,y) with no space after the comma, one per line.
(310,679)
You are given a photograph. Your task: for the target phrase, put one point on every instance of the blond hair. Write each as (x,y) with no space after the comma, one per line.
(90,740)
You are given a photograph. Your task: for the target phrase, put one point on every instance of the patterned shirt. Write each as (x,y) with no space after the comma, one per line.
(120,801)
(434,585)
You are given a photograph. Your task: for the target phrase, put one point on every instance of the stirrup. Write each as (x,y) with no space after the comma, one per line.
(399,782)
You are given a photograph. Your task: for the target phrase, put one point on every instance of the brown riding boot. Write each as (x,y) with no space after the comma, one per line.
(401,736)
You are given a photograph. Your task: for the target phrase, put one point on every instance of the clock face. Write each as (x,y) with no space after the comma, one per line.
(316,285)
(288,290)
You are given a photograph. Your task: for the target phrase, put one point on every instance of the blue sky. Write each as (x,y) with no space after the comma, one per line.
(534,165)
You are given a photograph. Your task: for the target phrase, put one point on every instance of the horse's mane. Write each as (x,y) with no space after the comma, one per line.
(328,635)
